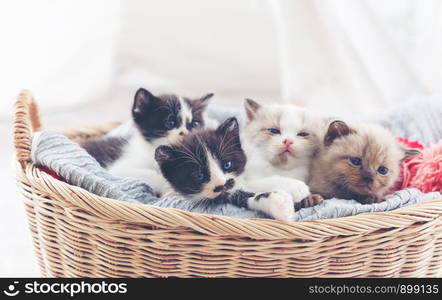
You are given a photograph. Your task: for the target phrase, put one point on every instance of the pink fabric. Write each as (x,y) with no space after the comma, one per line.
(423,171)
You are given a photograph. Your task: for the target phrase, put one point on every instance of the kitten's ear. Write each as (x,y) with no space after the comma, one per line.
(251,107)
(200,104)
(206,97)
(409,152)
(335,130)
(229,125)
(163,153)
(143,98)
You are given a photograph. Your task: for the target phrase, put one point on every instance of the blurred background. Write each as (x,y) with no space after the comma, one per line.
(83,61)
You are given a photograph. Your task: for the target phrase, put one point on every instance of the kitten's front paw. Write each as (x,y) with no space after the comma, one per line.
(277,204)
(298,190)
(281,206)
(309,201)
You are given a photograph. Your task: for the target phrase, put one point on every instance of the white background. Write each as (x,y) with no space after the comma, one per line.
(83,60)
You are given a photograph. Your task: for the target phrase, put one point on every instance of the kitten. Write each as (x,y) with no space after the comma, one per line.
(360,162)
(204,164)
(280,141)
(156,120)
(208,164)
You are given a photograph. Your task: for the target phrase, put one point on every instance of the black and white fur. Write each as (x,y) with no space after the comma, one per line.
(209,164)
(156,120)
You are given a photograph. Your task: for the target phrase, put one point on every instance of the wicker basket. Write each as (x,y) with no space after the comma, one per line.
(78,234)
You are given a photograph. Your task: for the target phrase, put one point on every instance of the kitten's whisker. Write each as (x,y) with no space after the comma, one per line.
(227,144)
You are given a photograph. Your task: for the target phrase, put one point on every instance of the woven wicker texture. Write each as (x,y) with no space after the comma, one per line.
(78,234)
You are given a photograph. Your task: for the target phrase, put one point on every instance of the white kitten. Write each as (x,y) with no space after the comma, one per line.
(279,141)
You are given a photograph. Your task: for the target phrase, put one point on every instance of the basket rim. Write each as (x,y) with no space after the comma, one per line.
(257,228)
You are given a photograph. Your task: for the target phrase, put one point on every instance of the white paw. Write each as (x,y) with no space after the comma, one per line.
(281,206)
(298,190)
(277,204)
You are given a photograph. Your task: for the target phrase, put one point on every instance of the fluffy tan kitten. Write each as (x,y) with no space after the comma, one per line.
(360,162)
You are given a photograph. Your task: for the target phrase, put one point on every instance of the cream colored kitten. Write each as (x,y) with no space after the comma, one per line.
(279,141)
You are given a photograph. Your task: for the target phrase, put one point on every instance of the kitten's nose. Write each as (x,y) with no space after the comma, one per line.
(183,132)
(287,142)
(367,177)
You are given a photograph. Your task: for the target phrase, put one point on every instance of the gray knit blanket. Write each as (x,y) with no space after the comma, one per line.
(419,120)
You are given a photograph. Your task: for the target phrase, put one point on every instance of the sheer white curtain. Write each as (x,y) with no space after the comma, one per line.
(335,56)
(344,56)
(61,50)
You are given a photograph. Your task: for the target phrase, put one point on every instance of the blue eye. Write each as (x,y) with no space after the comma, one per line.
(194,124)
(227,165)
(382,170)
(355,161)
(169,124)
(303,134)
(274,131)
(198,176)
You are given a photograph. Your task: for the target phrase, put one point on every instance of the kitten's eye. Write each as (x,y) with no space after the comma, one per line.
(303,134)
(194,124)
(274,131)
(169,124)
(227,165)
(355,161)
(383,170)
(198,176)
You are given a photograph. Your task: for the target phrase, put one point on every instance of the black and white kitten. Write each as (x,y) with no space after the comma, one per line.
(208,164)
(156,120)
